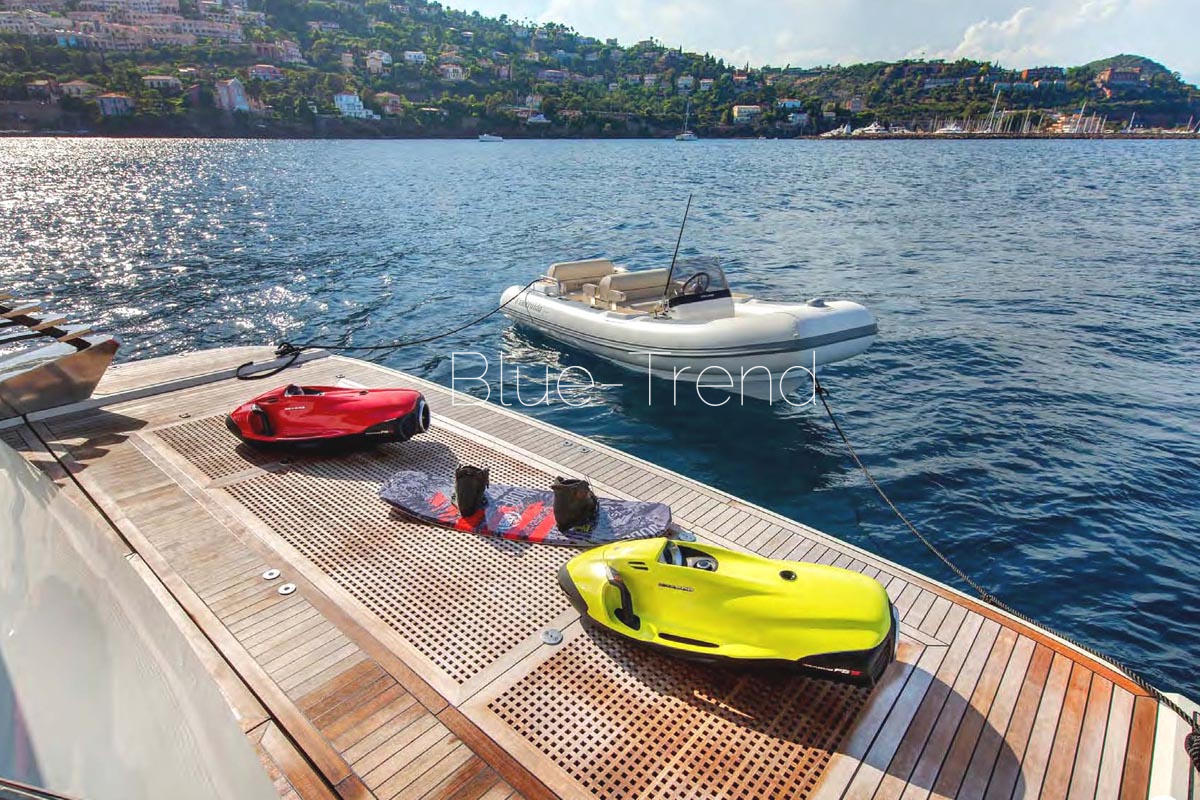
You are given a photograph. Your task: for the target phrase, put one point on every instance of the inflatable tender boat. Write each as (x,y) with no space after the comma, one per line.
(709,604)
(690,320)
(329,415)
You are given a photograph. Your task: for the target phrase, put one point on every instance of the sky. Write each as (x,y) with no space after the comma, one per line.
(1014,33)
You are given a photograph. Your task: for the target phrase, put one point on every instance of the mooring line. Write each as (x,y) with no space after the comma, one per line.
(1191,741)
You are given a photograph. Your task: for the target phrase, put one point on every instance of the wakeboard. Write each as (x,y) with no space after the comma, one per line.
(522,514)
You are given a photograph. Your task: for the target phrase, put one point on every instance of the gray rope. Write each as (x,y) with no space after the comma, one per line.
(1191,741)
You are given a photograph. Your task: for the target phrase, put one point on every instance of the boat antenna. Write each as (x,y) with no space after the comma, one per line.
(678,241)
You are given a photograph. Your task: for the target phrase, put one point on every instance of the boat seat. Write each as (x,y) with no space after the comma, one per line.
(628,288)
(573,275)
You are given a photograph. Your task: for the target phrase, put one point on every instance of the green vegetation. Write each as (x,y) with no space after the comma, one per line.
(584,86)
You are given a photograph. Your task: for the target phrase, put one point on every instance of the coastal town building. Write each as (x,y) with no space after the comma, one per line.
(113,104)
(746,113)
(451,72)
(378,61)
(42,6)
(684,83)
(230,95)
(789,103)
(415,57)
(551,75)
(391,103)
(349,104)
(162,83)
(706,84)
(347,60)
(798,118)
(1043,74)
(78,88)
(41,90)
(290,52)
(937,83)
(854,105)
(266,72)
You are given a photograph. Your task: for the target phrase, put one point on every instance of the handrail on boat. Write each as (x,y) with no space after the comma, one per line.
(15,790)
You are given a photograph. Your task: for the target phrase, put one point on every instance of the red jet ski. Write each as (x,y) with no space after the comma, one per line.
(329,415)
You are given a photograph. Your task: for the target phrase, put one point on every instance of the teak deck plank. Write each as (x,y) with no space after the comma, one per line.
(1116,738)
(979,704)
(1135,782)
(1086,769)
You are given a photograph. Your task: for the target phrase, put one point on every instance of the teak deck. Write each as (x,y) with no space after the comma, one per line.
(408,662)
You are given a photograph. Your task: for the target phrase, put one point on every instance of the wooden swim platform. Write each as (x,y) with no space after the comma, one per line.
(408,661)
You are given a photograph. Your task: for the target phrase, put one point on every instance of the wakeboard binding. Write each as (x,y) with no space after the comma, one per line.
(575,504)
(470,489)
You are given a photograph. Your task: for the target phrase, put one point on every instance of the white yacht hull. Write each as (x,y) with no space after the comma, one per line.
(764,350)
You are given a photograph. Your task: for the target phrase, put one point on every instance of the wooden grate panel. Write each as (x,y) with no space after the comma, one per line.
(625,722)
(460,599)
(209,446)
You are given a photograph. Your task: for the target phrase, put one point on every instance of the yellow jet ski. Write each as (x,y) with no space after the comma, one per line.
(710,604)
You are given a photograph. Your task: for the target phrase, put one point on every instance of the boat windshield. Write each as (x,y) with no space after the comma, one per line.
(696,279)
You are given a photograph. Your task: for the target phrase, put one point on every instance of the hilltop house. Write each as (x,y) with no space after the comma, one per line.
(789,103)
(1116,76)
(742,114)
(113,104)
(414,57)
(1043,74)
(347,60)
(706,84)
(684,83)
(349,104)
(551,75)
(230,95)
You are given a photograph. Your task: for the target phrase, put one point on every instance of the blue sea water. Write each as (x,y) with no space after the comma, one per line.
(1033,401)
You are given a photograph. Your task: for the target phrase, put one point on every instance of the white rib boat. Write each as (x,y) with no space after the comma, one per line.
(687,325)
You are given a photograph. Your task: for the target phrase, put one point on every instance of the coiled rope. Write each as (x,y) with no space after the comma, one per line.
(292,351)
(1191,742)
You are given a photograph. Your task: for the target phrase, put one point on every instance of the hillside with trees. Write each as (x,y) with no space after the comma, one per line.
(476,73)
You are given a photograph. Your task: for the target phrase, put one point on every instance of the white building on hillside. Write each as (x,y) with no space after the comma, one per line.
(349,104)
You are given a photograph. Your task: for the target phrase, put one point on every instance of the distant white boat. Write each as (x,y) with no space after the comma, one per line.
(899,130)
(685,135)
(490,137)
(874,129)
(838,132)
(949,130)
(537,119)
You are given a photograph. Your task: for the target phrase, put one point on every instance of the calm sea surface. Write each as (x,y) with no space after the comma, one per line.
(1033,401)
